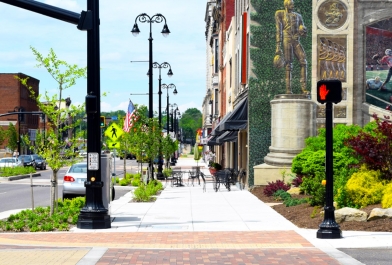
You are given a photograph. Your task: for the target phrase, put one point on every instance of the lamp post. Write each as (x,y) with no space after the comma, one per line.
(144,18)
(169,73)
(169,86)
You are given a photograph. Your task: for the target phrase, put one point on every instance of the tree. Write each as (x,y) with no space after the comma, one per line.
(54,149)
(190,121)
(12,137)
(3,135)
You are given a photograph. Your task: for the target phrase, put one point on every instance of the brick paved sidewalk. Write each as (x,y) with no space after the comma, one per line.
(261,247)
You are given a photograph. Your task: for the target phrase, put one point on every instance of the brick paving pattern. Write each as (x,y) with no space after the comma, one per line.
(193,248)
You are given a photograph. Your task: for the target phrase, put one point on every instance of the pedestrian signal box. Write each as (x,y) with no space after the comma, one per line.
(102,121)
(329,91)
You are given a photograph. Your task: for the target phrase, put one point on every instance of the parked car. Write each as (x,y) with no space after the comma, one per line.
(127,156)
(74,179)
(10,162)
(40,162)
(82,153)
(27,160)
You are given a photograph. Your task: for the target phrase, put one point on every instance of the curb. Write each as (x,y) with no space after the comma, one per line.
(21,177)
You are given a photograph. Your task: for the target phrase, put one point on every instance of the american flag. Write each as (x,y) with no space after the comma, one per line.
(130,117)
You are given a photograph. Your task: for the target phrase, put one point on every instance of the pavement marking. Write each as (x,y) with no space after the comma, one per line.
(39,256)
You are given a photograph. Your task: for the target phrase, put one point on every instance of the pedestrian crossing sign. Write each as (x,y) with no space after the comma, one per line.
(114,132)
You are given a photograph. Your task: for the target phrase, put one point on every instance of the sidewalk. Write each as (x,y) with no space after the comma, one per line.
(188,226)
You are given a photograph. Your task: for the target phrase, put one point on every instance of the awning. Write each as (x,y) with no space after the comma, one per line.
(235,120)
(227,136)
(212,140)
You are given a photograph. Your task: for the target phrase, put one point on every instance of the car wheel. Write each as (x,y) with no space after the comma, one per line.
(65,196)
(113,193)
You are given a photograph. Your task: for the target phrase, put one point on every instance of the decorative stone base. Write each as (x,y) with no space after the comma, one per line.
(265,173)
(292,121)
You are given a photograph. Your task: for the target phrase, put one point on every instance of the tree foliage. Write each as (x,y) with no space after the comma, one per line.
(52,147)
(190,121)
(12,137)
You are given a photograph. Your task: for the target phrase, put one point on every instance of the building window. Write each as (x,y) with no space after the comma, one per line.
(230,69)
(216,56)
(216,101)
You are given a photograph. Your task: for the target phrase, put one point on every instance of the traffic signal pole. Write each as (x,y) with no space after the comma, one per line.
(329,91)
(93,215)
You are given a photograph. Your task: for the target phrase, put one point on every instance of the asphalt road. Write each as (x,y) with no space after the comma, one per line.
(18,194)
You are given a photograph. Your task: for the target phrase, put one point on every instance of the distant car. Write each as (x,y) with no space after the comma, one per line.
(74,179)
(27,160)
(39,162)
(10,162)
(83,153)
(128,156)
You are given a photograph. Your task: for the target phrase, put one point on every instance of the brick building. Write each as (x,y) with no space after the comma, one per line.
(13,97)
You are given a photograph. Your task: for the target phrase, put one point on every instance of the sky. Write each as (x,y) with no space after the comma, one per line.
(184,49)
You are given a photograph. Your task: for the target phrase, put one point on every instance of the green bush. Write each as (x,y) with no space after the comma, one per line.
(365,188)
(386,201)
(144,192)
(124,182)
(135,182)
(15,171)
(40,219)
(287,199)
(310,164)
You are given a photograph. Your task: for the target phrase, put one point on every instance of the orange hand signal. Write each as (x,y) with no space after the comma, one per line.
(323,92)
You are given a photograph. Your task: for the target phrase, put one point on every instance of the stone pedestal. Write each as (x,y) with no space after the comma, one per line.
(292,121)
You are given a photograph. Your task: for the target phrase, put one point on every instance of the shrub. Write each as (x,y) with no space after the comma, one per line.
(297,181)
(287,199)
(14,171)
(365,188)
(311,185)
(135,182)
(40,219)
(144,192)
(386,201)
(124,182)
(374,146)
(273,187)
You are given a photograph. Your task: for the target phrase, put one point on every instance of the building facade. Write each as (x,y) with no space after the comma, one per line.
(15,97)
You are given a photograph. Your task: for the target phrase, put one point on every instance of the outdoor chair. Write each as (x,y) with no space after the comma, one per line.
(193,174)
(206,180)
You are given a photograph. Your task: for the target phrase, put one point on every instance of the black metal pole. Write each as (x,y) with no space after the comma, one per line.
(93,215)
(160,163)
(329,228)
(19,125)
(167,112)
(150,82)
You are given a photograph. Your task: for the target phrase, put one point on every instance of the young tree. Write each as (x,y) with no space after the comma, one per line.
(2,135)
(52,147)
(12,136)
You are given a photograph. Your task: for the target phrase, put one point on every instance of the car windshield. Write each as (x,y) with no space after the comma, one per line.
(37,157)
(79,168)
(25,158)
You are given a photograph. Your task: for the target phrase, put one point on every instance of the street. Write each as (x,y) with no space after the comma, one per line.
(17,194)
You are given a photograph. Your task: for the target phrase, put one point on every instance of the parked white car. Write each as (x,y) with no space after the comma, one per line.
(10,162)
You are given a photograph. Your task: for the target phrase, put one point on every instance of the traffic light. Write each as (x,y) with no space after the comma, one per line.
(102,121)
(329,91)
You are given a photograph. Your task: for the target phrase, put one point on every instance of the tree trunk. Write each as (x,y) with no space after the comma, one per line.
(53,193)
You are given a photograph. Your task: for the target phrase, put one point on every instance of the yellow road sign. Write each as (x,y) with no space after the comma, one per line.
(113,145)
(113,132)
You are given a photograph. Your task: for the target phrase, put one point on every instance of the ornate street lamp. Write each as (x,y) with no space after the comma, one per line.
(169,86)
(169,73)
(144,18)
